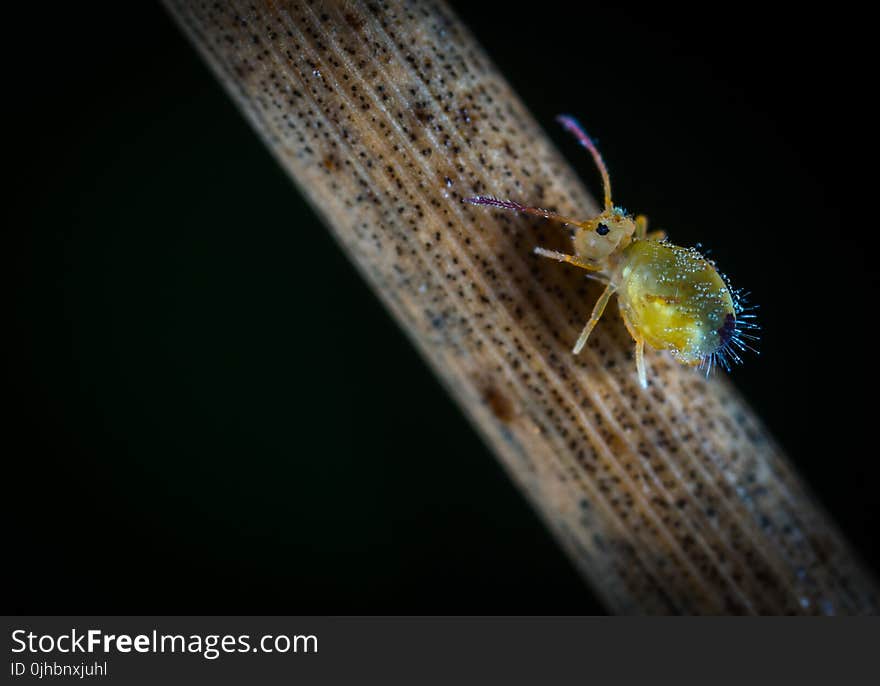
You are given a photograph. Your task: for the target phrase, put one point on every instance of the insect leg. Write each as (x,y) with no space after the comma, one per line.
(571,259)
(598,309)
(640,362)
(601,278)
(642,232)
(516,207)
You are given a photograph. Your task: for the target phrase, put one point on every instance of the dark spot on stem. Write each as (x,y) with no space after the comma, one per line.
(499,404)
(353,20)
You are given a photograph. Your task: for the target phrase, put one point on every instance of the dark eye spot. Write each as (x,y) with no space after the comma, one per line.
(602,230)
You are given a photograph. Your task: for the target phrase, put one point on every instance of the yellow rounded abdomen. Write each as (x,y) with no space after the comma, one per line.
(675,299)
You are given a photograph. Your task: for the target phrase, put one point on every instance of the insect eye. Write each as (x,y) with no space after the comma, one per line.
(602,229)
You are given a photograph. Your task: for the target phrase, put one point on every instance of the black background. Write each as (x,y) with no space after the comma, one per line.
(194,432)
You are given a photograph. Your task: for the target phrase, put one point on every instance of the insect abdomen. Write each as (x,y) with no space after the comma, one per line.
(675,299)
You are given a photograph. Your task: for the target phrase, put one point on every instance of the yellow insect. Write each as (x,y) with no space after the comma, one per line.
(671,298)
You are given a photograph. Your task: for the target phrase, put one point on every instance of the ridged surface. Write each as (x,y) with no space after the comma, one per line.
(670,500)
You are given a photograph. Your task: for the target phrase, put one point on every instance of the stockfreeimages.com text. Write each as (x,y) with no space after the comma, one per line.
(210,646)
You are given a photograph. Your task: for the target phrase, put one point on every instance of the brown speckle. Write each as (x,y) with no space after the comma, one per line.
(499,404)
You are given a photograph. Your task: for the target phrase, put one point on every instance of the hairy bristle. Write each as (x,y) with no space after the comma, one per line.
(738,334)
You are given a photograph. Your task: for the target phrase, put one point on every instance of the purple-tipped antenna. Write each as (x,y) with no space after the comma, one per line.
(572,126)
(495,202)
(516,207)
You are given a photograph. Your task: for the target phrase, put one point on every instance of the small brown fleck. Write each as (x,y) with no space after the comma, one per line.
(499,403)
(422,113)
(353,20)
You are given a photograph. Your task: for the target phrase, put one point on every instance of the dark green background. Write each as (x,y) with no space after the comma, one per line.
(198,428)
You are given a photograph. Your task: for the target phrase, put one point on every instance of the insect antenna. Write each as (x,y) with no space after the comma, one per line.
(516,207)
(572,126)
